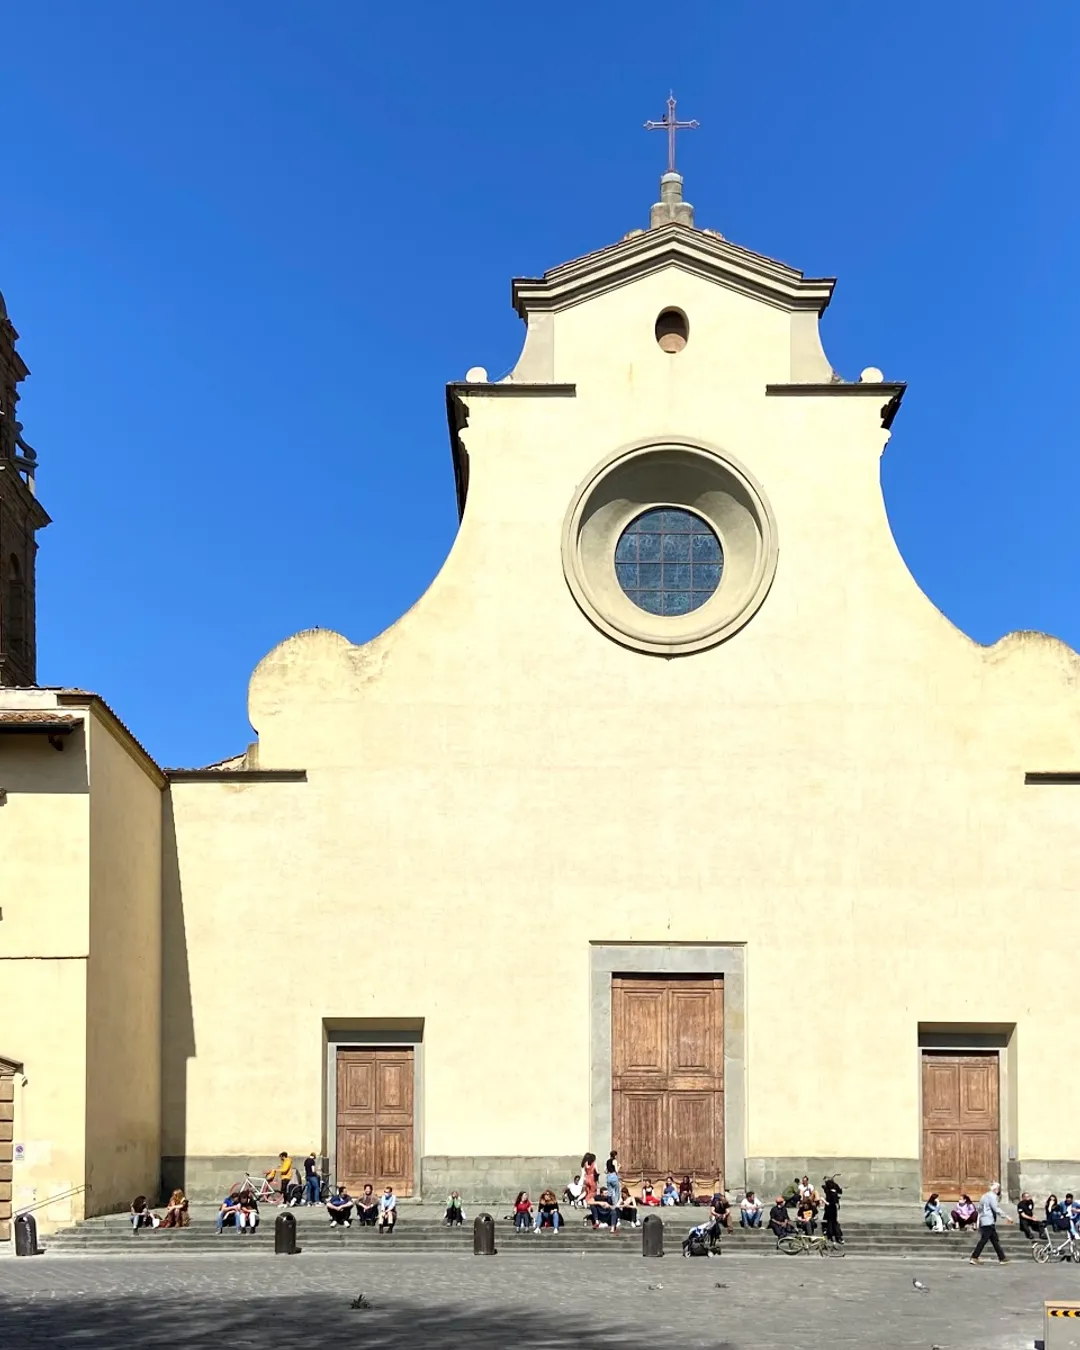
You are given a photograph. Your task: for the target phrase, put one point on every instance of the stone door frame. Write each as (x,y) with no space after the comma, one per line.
(8,1069)
(671,958)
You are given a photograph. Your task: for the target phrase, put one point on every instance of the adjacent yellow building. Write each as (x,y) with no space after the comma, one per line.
(673,817)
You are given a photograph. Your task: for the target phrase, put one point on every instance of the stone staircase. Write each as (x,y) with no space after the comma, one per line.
(420,1229)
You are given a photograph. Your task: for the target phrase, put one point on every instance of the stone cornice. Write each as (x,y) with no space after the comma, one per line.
(236,775)
(696,251)
(892,392)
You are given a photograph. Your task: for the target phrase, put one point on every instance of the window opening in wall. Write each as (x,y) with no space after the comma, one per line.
(672,330)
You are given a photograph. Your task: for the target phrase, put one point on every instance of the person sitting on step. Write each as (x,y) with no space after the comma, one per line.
(247,1217)
(176,1213)
(574,1192)
(965,1213)
(604,1213)
(1055,1214)
(648,1195)
(454,1213)
(750,1211)
(141,1215)
(387,1210)
(229,1213)
(522,1212)
(933,1215)
(547,1212)
(670,1195)
(806,1213)
(1031,1227)
(779,1222)
(367,1207)
(686,1192)
(628,1208)
(340,1207)
(720,1207)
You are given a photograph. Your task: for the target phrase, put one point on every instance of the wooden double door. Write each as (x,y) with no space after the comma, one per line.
(375,1119)
(961,1139)
(668,1076)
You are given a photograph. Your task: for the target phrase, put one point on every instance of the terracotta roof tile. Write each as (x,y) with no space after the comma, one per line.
(28,717)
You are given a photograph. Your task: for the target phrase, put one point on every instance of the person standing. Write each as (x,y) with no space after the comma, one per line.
(612,1179)
(989,1212)
(590,1177)
(312,1181)
(831,1218)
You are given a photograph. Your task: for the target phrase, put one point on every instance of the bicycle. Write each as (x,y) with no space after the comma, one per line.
(794,1244)
(260,1188)
(1044,1250)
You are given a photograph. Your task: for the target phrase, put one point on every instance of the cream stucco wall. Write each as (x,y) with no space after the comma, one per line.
(44,900)
(80,887)
(123,992)
(493,785)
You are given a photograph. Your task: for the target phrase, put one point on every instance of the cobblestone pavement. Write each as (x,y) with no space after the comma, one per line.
(428,1302)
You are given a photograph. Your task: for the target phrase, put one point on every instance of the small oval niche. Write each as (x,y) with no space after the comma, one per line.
(672,330)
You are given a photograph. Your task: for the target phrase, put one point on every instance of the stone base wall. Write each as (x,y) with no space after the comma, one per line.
(1042,1178)
(494,1180)
(880,1180)
(481,1180)
(210,1178)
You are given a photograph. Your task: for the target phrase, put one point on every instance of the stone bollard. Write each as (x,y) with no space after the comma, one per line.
(285,1235)
(483,1235)
(26,1235)
(652,1236)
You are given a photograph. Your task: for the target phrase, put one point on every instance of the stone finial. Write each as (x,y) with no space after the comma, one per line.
(671,208)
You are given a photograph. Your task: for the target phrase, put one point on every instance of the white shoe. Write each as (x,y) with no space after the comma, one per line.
(348,1223)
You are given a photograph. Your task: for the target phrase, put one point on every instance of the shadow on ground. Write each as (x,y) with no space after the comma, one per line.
(322,1320)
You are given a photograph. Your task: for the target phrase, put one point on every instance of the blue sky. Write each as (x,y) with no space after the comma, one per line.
(246,244)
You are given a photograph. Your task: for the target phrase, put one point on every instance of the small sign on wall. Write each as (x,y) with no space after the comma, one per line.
(18,1153)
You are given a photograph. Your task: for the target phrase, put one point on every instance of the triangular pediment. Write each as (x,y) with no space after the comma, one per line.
(702,253)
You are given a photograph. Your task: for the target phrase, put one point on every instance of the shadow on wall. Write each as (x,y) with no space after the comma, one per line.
(322,1319)
(177,1021)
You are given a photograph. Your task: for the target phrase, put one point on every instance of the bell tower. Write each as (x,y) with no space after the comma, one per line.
(21,516)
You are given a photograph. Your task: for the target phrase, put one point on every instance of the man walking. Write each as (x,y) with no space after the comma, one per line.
(989,1212)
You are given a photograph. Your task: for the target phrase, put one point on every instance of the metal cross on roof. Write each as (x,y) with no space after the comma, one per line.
(671,125)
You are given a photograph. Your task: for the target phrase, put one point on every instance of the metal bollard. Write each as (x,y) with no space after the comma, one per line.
(652,1236)
(26,1235)
(285,1235)
(483,1235)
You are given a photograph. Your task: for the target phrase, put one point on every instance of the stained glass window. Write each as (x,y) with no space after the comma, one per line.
(669,561)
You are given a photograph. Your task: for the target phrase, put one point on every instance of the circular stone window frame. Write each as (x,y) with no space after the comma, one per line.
(677,473)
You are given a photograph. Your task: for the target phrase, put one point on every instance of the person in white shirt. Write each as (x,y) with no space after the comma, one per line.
(575,1192)
(750,1211)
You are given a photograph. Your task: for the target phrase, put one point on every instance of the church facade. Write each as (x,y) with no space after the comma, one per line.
(673,817)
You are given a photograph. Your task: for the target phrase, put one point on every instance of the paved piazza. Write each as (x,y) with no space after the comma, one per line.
(445,1300)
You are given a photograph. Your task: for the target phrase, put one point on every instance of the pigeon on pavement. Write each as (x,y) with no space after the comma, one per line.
(922,1288)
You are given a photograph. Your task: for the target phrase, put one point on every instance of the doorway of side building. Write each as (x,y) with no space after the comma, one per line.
(667,1043)
(961,1122)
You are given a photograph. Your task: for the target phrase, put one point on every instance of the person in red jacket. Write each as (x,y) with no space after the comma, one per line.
(522,1212)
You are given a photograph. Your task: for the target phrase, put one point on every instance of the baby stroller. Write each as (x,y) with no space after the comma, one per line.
(703,1240)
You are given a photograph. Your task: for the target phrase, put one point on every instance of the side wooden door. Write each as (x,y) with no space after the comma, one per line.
(961,1149)
(668,1076)
(375,1119)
